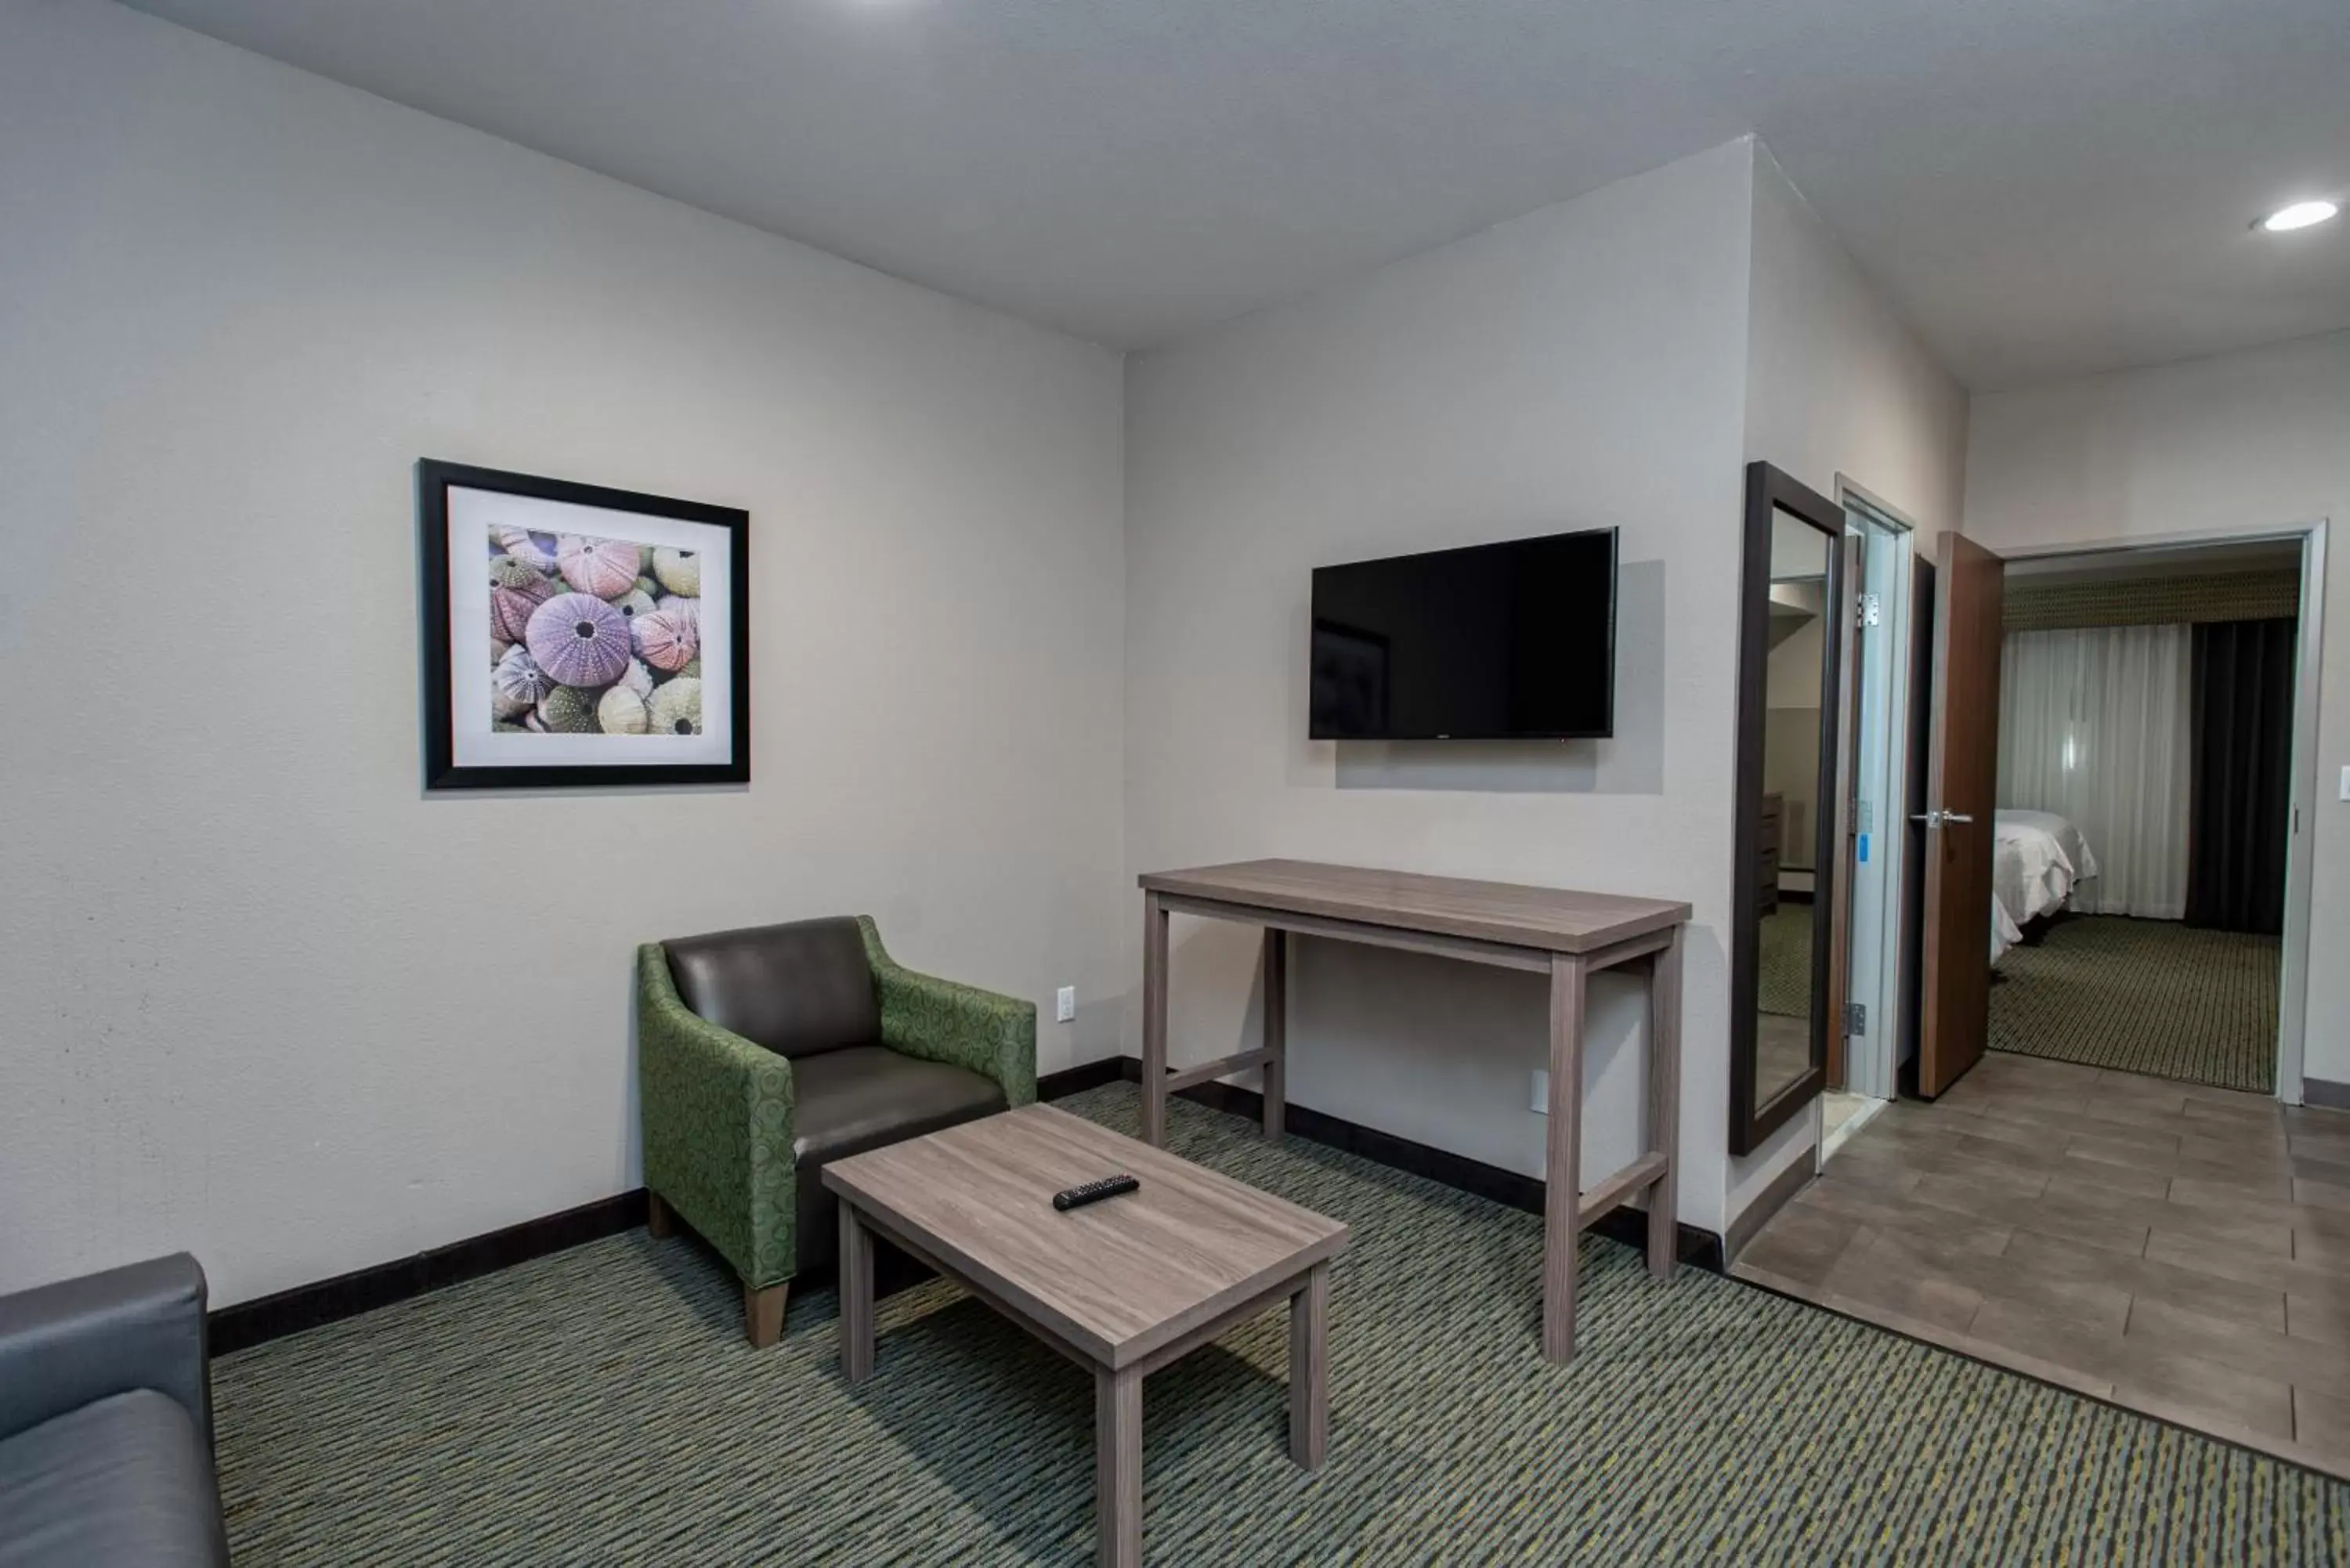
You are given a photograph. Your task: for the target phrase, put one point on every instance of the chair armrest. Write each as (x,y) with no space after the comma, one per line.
(65,1344)
(961,1025)
(717,1118)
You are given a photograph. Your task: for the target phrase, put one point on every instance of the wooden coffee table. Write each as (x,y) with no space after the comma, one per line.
(1123,1286)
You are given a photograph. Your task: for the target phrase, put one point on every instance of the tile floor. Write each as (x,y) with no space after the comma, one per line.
(1842,1117)
(2179,1250)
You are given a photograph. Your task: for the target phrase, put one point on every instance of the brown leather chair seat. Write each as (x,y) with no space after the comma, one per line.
(858,1097)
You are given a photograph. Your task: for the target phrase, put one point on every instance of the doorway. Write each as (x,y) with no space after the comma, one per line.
(2195,581)
(2083,952)
(2171,1246)
(2145,815)
(1880,543)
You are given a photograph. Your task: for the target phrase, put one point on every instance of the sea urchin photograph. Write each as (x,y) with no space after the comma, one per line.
(593,636)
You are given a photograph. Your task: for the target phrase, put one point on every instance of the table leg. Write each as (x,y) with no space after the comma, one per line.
(1665,1103)
(1309,1369)
(856,1295)
(1563,1163)
(1118,1466)
(1276,1028)
(1154,1021)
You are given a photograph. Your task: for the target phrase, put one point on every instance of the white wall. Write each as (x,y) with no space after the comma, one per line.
(268,1001)
(1582,366)
(1790,676)
(2239,442)
(1610,361)
(1838,385)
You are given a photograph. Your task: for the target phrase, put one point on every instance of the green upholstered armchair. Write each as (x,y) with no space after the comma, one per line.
(763,1054)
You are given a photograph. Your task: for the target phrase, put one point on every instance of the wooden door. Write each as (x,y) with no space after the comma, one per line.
(1962,795)
(1834,885)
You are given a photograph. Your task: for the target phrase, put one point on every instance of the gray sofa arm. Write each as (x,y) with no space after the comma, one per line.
(65,1344)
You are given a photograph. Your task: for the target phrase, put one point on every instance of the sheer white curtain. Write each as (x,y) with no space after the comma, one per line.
(2094,726)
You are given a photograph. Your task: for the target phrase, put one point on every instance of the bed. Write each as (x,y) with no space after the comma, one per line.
(2037,859)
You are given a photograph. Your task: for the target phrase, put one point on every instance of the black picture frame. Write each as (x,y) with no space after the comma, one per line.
(435,480)
(1752,1120)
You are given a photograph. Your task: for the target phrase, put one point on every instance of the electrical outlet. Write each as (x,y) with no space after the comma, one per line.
(1542,1092)
(2346,784)
(1064,1005)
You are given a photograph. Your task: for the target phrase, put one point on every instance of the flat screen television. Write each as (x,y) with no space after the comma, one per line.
(1507,641)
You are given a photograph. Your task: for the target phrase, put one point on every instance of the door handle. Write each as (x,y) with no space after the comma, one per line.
(1940,818)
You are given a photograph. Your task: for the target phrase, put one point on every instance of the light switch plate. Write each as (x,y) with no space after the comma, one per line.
(1542,1091)
(2346,784)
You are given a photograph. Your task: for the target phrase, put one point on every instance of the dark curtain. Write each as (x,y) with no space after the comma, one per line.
(2242,746)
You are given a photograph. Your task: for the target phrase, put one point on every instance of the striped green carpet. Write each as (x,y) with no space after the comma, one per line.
(599,1407)
(2144,996)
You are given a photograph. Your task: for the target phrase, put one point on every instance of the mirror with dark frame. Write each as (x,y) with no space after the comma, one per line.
(1790,633)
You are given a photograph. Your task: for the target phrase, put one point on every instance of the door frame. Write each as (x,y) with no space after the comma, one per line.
(1854,548)
(2292,966)
(1873,1069)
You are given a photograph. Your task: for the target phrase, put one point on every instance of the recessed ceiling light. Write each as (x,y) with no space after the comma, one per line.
(2300,215)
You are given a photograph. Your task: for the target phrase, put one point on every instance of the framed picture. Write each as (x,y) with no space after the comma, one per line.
(579,636)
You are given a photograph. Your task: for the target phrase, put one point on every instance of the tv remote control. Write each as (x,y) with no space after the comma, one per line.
(1094,1191)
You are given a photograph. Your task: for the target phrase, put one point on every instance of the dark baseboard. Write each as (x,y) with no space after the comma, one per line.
(248,1323)
(2325,1094)
(1628,1225)
(363,1290)
(1086,1076)
(1775,1196)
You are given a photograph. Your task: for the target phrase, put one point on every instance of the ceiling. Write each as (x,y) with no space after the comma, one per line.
(2044,187)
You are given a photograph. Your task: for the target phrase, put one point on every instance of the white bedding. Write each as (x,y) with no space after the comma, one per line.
(2004,932)
(2037,858)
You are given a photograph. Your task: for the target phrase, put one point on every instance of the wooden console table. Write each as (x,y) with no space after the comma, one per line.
(1567,935)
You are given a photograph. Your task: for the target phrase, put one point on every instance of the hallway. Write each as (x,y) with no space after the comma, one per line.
(2179,1249)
